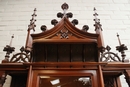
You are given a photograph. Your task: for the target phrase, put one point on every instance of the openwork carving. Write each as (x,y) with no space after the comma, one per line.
(64,34)
(109,56)
(20,57)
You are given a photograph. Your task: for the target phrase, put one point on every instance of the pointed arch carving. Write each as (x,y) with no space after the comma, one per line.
(65,30)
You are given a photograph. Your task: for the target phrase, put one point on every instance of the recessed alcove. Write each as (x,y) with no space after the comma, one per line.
(81,52)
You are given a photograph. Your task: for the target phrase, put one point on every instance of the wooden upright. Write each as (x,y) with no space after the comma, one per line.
(64,56)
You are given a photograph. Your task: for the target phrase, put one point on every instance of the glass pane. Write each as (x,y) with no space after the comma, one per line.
(65,81)
(7,81)
(123,81)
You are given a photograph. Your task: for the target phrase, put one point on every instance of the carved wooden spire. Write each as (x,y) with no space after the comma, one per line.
(32,21)
(31,27)
(97,21)
(98,30)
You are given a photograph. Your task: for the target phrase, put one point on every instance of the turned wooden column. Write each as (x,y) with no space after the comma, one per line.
(101,76)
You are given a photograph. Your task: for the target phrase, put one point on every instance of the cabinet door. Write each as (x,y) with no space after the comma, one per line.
(65,78)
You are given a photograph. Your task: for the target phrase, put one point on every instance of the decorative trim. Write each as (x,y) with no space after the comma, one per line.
(109,56)
(20,57)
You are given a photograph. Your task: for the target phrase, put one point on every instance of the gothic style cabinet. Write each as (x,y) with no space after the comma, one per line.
(64,56)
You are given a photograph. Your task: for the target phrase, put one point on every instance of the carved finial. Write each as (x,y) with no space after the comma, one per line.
(11,40)
(60,15)
(97,21)
(75,22)
(118,39)
(121,48)
(108,48)
(8,50)
(95,13)
(54,22)
(22,49)
(65,6)
(32,21)
(85,28)
(43,28)
(69,15)
(35,10)
(64,14)
(94,9)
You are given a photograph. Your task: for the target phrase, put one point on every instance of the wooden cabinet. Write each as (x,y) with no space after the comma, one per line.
(64,56)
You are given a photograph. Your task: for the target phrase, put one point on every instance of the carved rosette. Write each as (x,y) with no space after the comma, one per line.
(64,34)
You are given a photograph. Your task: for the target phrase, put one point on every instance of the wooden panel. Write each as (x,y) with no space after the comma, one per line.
(90,52)
(51,54)
(77,52)
(64,52)
(39,52)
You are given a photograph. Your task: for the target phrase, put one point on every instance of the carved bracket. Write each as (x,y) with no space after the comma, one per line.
(109,56)
(20,57)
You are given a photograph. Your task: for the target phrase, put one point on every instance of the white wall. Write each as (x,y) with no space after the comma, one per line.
(15,16)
